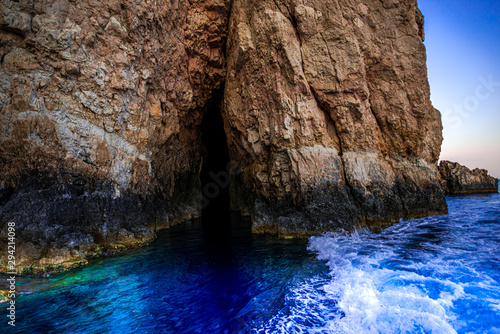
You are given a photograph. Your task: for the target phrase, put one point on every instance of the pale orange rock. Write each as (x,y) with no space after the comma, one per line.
(99,118)
(329,114)
(326,110)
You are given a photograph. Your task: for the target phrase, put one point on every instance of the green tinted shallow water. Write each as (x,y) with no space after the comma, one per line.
(186,281)
(430,275)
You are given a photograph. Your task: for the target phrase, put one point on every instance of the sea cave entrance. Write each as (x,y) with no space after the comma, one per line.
(215,169)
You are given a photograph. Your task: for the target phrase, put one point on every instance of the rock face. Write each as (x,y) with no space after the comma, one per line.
(100,105)
(326,112)
(458,179)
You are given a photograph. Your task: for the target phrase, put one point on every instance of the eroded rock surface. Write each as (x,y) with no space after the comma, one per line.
(458,179)
(326,109)
(328,113)
(101,103)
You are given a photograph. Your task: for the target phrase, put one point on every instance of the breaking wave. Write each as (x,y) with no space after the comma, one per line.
(431,275)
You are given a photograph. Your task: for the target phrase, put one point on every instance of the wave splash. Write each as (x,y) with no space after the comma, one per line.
(363,295)
(431,275)
(375,297)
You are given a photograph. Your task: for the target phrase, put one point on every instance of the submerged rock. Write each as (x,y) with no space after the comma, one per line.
(326,110)
(458,179)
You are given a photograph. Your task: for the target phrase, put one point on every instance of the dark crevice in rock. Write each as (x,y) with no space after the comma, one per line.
(215,167)
(5,195)
(129,105)
(334,136)
(293,21)
(12,31)
(377,120)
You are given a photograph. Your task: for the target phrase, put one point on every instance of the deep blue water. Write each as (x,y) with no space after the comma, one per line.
(432,275)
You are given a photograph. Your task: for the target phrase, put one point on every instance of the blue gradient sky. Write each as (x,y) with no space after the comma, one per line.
(463,51)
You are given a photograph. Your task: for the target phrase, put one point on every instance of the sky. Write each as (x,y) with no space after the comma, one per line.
(463,62)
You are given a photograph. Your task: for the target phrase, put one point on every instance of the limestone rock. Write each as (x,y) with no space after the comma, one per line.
(458,179)
(326,110)
(100,108)
(13,19)
(328,113)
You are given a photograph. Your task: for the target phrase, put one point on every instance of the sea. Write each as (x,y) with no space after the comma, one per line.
(438,274)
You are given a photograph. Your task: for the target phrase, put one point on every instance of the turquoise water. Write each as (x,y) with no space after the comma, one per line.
(432,275)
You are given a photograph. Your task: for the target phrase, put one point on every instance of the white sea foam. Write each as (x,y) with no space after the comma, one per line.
(364,295)
(432,275)
(376,299)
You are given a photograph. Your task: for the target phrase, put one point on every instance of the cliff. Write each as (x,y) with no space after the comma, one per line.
(458,179)
(326,112)
(101,105)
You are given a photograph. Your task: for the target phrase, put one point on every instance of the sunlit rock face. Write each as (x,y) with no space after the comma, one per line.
(326,112)
(458,179)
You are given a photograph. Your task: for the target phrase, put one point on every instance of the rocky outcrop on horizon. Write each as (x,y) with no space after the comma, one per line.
(326,110)
(458,179)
